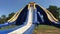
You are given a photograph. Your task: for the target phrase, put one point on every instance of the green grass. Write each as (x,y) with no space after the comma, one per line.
(7,27)
(41,29)
(45,29)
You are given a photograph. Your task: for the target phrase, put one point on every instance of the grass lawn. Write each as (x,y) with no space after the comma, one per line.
(7,27)
(41,29)
(45,29)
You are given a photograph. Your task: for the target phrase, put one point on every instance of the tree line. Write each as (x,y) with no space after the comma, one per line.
(52,9)
(55,11)
(4,18)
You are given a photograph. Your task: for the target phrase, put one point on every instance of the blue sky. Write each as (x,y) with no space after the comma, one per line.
(8,6)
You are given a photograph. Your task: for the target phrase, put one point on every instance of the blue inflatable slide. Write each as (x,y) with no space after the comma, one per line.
(28,18)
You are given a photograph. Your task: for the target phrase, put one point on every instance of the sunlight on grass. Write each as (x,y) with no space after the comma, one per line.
(45,29)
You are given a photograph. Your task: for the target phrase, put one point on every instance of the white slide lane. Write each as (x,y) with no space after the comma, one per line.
(27,26)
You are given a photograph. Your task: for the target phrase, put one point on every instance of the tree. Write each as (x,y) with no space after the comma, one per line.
(53,10)
(0,20)
(59,12)
(10,15)
(3,18)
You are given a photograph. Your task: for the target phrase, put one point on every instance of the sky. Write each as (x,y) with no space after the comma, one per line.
(8,6)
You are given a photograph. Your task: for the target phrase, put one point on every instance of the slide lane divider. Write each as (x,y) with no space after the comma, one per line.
(31,29)
(27,26)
